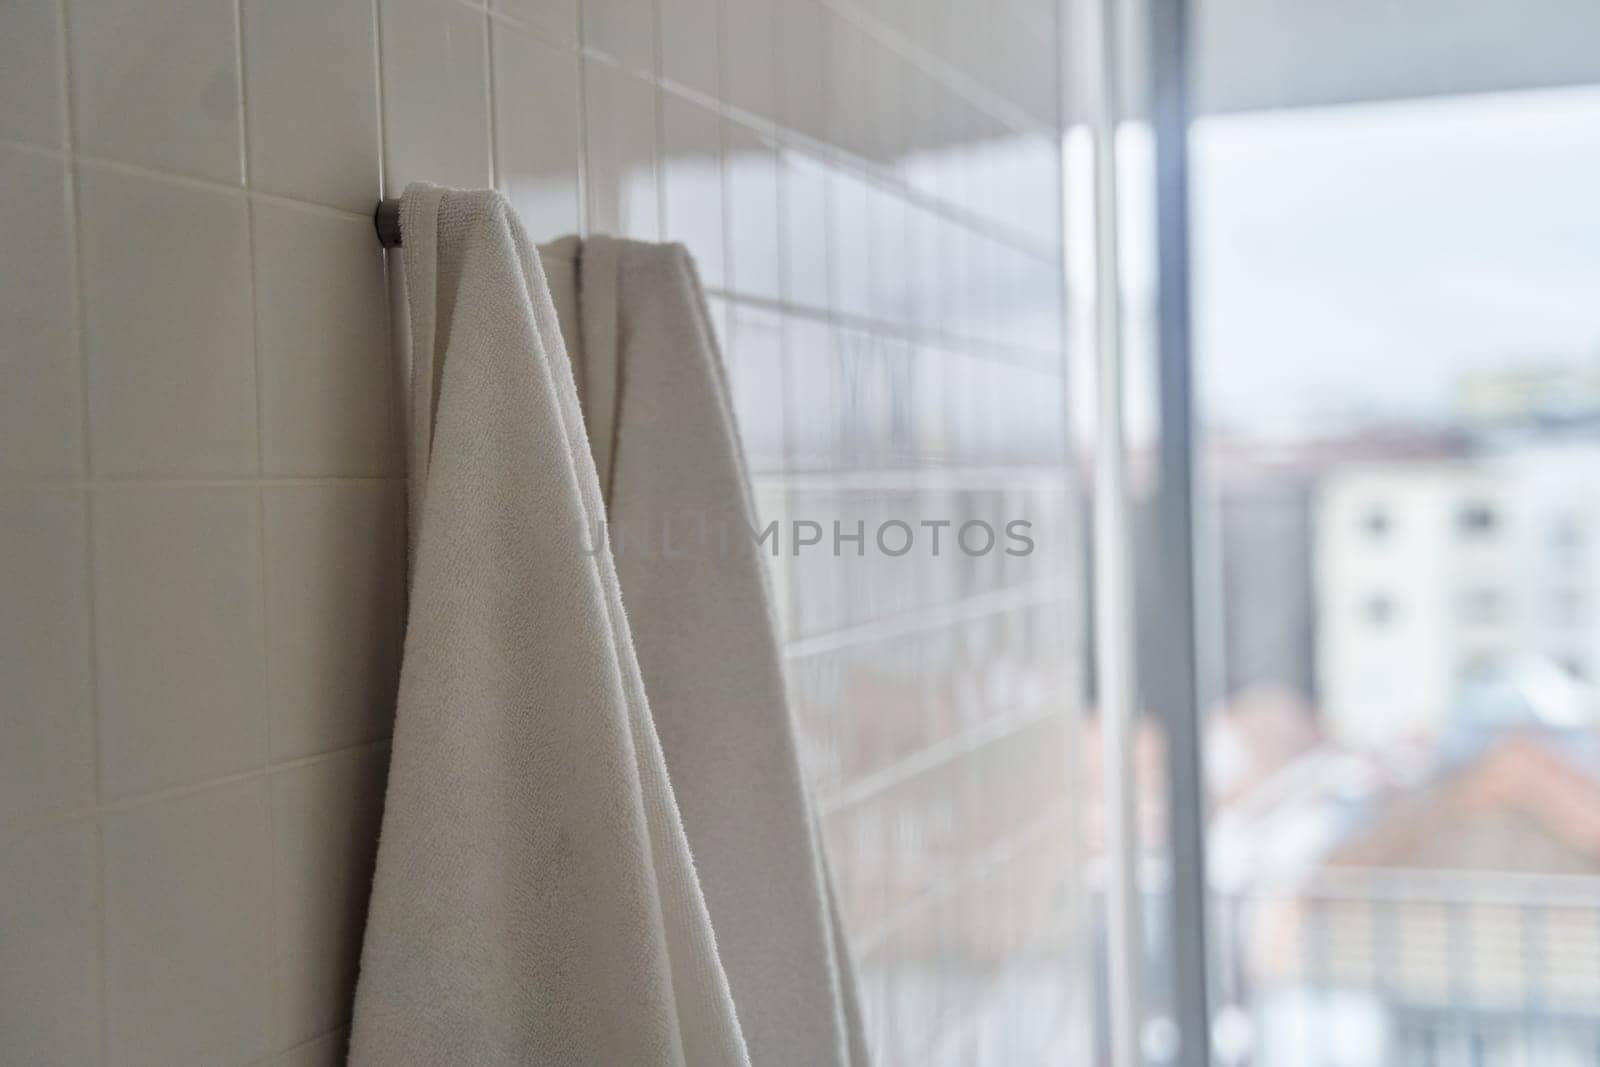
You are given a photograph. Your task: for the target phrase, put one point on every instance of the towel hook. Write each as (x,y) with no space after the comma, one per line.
(386,220)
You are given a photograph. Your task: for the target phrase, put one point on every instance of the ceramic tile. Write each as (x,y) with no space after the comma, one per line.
(167,314)
(847,85)
(325,818)
(538,136)
(435,95)
(850,233)
(689,44)
(335,571)
(981,288)
(187,914)
(984,167)
(691,184)
(240,624)
(954,121)
(803,95)
(1038,166)
(812,393)
(554,20)
(755,267)
(755,367)
(178,623)
(620,125)
(40,408)
(922,130)
(156,83)
(49,942)
(717,310)
(923,271)
(323,353)
(311,91)
(1041,328)
(886,113)
(1030,61)
(805,231)
(888,294)
(30,73)
(47,760)
(749,57)
(623,30)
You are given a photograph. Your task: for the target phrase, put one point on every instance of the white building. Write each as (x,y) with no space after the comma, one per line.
(1434,573)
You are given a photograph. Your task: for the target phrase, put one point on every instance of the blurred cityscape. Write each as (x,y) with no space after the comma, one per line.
(1404,759)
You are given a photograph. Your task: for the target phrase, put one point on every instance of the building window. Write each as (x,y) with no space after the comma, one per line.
(1379,609)
(1483,607)
(1477,519)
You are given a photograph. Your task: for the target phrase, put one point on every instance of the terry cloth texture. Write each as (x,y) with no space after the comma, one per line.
(534,900)
(662,431)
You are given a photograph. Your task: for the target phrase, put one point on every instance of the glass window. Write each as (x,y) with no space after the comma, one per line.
(1394,275)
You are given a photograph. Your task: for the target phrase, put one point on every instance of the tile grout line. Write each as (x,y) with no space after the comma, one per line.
(1075,695)
(719,30)
(874,252)
(393,277)
(377,90)
(34,148)
(585,165)
(891,477)
(658,108)
(786,375)
(833,359)
(170,177)
(199,482)
(489,96)
(724,175)
(163,794)
(831,157)
(74,192)
(942,753)
(384,146)
(264,687)
(920,622)
(1019,356)
(970,89)
(992,858)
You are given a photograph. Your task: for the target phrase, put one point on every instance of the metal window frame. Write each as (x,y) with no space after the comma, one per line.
(1164,48)
(1167,25)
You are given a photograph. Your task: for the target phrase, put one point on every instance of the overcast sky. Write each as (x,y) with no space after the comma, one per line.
(1357,260)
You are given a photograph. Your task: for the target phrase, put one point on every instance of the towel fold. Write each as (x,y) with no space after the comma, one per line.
(665,442)
(534,899)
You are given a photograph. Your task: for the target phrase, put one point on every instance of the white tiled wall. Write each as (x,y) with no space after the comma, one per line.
(201,549)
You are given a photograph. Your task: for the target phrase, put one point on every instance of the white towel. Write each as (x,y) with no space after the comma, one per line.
(534,900)
(662,430)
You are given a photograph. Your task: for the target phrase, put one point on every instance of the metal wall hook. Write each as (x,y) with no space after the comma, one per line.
(386,220)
